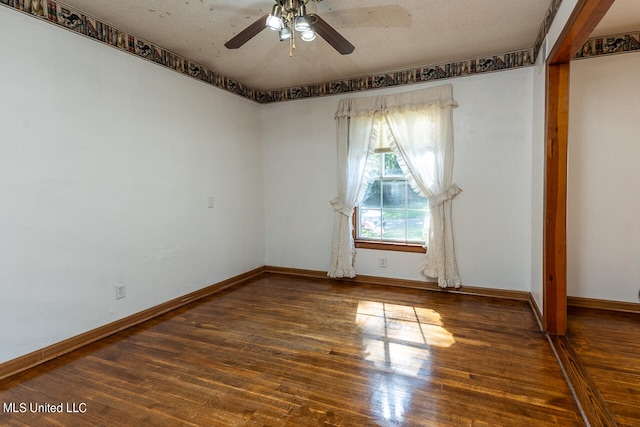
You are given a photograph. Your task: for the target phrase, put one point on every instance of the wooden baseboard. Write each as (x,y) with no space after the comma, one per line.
(536,312)
(416,284)
(37,357)
(627,307)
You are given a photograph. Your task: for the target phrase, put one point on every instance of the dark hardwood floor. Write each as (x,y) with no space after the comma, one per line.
(608,347)
(284,351)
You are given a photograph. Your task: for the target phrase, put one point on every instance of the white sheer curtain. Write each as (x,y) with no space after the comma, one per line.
(421,134)
(354,136)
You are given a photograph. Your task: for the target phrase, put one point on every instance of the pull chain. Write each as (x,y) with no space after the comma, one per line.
(292,42)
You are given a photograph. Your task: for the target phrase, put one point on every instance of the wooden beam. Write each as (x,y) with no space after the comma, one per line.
(585,17)
(555,200)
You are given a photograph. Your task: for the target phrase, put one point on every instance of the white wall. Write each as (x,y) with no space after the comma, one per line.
(603,231)
(537,180)
(105,168)
(299,181)
(492,219)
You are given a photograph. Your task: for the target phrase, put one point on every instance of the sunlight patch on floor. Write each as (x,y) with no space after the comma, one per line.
(399,339)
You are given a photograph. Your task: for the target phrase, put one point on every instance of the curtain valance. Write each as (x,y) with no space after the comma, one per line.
(439,97)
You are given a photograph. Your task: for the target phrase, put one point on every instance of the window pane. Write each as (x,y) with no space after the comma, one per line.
(373,165)
(416,201)
(371,224)
(395,224)
(391,211)
(417,225)
(391,166)
(372,196)
(394,194)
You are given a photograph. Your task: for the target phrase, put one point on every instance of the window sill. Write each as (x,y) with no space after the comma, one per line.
(385,246)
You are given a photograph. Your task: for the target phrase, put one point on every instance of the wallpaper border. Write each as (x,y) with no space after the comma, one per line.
(71,19)
(554,6)
(610,45)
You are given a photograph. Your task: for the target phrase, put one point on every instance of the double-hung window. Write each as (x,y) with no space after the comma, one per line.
(391,215)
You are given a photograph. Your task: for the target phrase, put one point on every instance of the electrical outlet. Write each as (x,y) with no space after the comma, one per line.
(382,261)
(121,291)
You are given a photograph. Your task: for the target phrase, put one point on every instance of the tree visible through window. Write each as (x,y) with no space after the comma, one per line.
(391,210)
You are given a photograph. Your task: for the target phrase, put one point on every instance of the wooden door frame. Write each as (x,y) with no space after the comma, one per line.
(583,20)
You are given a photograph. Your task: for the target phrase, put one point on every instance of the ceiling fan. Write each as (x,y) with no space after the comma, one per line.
(288,17)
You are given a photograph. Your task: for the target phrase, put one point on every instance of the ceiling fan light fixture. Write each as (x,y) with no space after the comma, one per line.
(285,34)
(274,20)
(308,35)
(301,22)
(287,17)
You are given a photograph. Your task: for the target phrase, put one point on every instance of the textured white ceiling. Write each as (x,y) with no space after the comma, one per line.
(388,34)
(623,16)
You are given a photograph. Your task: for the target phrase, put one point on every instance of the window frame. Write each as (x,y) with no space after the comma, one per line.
(383,245)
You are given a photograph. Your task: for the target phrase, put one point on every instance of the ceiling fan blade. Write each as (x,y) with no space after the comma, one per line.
(332,37)
(247,34)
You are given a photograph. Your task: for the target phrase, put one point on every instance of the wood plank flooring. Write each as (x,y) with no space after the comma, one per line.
(285,351)
(608,346)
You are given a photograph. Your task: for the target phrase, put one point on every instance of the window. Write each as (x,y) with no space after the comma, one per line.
(391,215)
(418,127)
